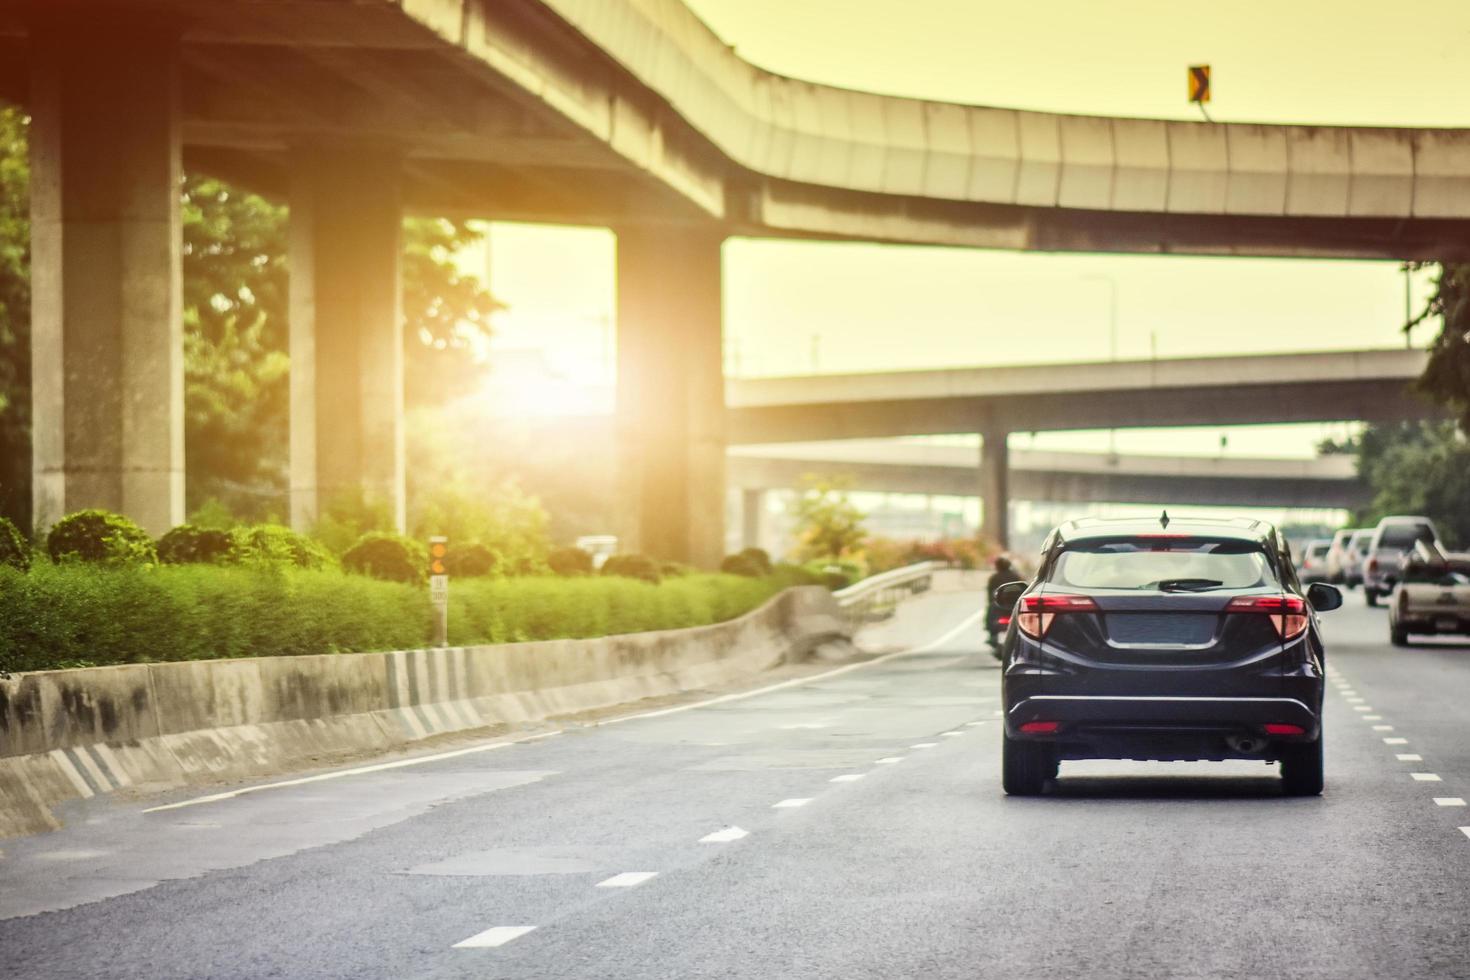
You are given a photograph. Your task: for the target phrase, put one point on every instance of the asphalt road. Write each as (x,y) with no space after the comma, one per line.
(847,826)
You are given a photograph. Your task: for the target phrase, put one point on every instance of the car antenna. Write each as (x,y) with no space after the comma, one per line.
(1164,520)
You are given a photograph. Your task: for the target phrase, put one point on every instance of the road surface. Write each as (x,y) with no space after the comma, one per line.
(847,826)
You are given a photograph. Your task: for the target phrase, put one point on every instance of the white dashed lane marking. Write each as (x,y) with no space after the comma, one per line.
(627,879)
(850,777)
(924,745)
(1395,741)
(1361,707)
(722,836)
(497,936)
(972,724)
(889,760)
(951,734)
(1449,801)
(790,804)
(1465,831)
(1409,757)
(1425,777)
(1383,728)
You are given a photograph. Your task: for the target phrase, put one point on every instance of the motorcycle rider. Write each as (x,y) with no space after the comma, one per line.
(1004,572)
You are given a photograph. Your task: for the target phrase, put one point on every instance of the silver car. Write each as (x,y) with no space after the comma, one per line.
(1337,553)
(1352,562)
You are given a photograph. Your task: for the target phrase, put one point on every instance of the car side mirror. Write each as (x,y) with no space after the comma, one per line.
(1006,595)
(1324,597)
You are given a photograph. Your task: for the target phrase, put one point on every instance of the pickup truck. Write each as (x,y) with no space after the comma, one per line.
(1430,597)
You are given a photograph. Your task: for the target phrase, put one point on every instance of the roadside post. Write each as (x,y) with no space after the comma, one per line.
(439,588)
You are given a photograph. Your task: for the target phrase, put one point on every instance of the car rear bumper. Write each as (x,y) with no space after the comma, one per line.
(1098,717)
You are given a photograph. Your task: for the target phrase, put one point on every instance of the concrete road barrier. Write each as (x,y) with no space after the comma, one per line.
(70,734)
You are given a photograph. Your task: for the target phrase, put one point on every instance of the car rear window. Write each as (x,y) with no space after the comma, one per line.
(1317,550)
(1144,563)
(1360,540)
(1401,537)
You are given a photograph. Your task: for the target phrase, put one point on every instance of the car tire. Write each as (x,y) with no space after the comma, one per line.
(1024,767)
(1370,596)
(1398,636)
(1301,768)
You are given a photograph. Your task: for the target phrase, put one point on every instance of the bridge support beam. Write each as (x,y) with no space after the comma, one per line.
(671,394)
(346,332)
(995,497)
(107,333)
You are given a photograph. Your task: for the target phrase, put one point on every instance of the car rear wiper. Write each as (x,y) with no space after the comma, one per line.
(1187,584)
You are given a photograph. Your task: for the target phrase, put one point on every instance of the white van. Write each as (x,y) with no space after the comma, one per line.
(1383,560)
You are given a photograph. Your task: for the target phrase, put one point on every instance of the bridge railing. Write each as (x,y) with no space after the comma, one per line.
(876,597)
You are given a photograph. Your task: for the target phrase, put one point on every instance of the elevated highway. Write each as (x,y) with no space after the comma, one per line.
(1058,477)
(1328,386)
(625,113)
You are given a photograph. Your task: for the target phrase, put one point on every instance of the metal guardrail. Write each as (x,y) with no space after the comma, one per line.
(876,597)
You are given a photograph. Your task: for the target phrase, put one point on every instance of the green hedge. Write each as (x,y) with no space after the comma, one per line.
(73,614)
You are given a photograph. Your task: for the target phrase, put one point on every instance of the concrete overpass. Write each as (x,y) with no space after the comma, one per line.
(628,113)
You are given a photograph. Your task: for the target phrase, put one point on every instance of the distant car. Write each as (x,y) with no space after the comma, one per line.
(1352,563)
(1383,559)
(1170,640)
(1430,597)
(1337,555)
(1312,567)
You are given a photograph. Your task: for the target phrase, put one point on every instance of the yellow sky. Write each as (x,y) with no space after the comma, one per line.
(792,306)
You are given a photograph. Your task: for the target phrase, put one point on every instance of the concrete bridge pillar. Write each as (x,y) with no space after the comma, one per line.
(752,517)
(346,331)
(995,497)
(107,332)
(671,394)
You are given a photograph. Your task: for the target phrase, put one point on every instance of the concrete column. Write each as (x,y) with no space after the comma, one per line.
(346,331)
(752,517)
(995,494)
(671,394)
(107,334)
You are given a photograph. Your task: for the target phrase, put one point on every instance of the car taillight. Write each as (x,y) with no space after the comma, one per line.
(1038,611)
(1288,613)
(1003,621)
(1277,728)
(1041,727)
(1372,564)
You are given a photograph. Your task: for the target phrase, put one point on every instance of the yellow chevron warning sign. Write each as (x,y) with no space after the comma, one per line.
(1199,83)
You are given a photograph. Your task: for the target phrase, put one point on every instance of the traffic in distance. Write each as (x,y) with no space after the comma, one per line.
(1183,640)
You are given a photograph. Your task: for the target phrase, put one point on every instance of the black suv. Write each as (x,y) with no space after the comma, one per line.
(1159,639)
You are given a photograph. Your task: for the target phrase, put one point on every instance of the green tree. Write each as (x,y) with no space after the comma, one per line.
(15,319)
(828,524)
(1417,468)
(1446,377)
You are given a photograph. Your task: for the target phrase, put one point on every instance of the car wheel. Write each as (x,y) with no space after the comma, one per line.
(1398,636)
(1024,767)
(1370,596)
(1301,768)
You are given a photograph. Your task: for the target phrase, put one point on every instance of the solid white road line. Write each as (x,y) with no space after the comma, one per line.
(790,804)
(1449,801)
(889,760)
(967,623)
(923,745)
(1395,741)
(723,836)
(850,777)
(627,879)
(1409,757)
(497,936)
(356,771)
(1425,777)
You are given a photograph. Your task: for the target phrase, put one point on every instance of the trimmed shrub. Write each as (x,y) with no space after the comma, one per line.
(751,562)
(101,536)
(187,544)
(569,561)
(471,560)
(632,566)
(390,557)
(673,569)
(276,544)
(15,550)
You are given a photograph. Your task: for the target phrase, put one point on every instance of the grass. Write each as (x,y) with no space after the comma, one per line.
(74,615)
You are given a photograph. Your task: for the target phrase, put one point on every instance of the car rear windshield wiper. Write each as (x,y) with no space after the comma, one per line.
(1187,584)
